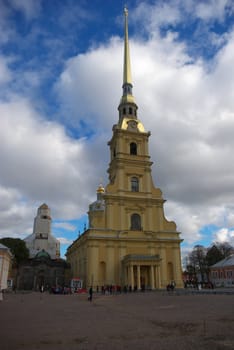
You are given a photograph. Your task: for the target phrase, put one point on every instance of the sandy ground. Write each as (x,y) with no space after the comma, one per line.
(150,320)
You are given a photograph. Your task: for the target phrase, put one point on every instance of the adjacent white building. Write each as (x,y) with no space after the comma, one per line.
(5,260)
(42,239)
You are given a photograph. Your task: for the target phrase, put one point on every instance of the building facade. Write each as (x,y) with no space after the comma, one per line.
(42,272)
(222,273)
(44,268)
(128,242)
(42,238)
(5,264)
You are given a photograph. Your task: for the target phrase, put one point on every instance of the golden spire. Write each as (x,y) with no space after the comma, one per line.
(127,106)
(127,78)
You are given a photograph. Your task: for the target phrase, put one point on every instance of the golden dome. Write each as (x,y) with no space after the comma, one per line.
(100,189)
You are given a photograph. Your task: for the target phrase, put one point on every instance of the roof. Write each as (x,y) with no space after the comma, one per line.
(42,255)
(229,261)
(2,246)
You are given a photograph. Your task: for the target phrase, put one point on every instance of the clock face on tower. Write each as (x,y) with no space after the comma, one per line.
(132,125)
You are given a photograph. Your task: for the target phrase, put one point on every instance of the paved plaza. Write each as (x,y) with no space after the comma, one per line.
(150,320)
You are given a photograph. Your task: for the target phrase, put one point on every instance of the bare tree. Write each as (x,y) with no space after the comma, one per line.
(197,261)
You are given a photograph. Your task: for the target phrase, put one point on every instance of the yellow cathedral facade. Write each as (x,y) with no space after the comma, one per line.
(129,242)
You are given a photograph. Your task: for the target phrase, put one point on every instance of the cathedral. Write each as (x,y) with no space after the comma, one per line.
(129,242)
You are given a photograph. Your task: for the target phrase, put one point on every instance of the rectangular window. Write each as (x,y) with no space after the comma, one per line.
(134,184)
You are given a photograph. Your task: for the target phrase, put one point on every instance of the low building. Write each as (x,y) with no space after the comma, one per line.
(222,273)
(5,262)
(44,268)
(42,271)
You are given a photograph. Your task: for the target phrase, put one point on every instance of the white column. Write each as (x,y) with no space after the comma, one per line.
(121,179)
(132,276)
(126,279)
(110,272)
(138,277)
(163,267)
(177,270)
(152,270)
(127,275)
(122,220)
(109,211)
(158,276)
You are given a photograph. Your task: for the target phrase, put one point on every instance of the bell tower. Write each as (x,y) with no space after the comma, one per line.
(133,205)
(129,241)
(130,179)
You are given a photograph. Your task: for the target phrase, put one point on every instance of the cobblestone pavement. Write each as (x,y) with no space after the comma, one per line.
(150,320)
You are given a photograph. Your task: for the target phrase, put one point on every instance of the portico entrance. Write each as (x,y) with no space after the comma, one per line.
(142,271)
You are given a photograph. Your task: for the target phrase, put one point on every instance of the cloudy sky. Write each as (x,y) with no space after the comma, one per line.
(60,86)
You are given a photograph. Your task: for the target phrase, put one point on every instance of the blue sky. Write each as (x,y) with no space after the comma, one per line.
(60,85)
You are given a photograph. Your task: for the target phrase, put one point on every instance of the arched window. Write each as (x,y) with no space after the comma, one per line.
(135,222)
(134,184)
(124,110)
(133,148)
(130,110)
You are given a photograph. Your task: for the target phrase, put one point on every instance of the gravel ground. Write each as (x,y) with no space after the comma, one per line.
(150,320)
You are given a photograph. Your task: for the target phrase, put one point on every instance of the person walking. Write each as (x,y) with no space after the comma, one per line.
(90,293)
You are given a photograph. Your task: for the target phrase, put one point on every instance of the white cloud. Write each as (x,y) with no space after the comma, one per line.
(75,14)
(172,12)
(158,14)
(30,8)
(230,217)
(41,162)
(15,214)
(92,95)
(224,235)
(187,220)
(64,240)
(64,225)
(5,73)
(5,29)
(213,9)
